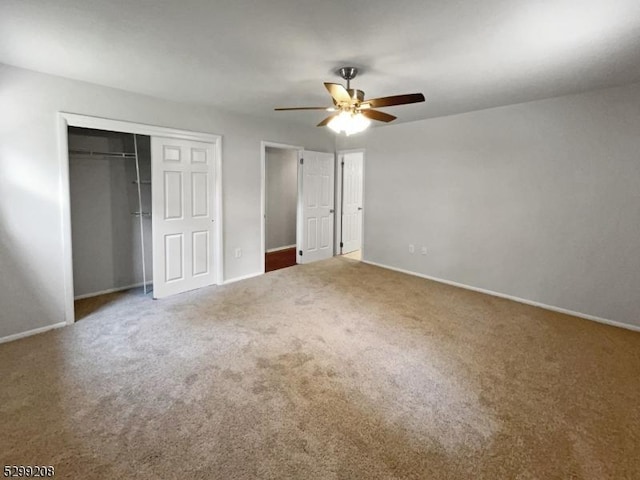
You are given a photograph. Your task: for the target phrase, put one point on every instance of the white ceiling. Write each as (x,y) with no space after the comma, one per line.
(252,55)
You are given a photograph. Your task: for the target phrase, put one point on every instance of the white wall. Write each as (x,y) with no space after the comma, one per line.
(539,200)
(281,174)
(31,263)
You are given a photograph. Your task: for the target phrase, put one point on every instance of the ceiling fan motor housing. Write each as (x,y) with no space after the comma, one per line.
(356,94)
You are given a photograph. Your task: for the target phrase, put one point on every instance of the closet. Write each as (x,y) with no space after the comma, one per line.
(110,193)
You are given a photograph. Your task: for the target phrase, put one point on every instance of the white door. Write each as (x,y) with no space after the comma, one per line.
(182,196)
(316,214)
(352,202)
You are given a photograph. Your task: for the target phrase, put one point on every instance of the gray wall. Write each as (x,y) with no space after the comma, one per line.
(281,174)
(539,200)
(107,251)
(31,249)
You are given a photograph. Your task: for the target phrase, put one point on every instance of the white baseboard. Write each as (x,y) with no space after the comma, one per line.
(628,326)
(110,290)
(28,333)
(281,248)
(244,277)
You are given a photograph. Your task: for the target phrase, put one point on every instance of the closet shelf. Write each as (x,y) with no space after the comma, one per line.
(93,153)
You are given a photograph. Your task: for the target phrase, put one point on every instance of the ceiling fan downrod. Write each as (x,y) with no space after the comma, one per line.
(348,73)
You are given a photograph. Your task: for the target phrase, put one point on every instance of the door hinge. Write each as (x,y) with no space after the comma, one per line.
(300,251)
(302,161)
(342,163)
(341,244)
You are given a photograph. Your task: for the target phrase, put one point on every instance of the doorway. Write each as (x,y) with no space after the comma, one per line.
(351,209)
(315,214)
(110,197)
(280,206)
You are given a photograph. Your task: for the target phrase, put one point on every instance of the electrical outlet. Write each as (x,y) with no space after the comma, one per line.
(423,250)
(412,249)
(238,252)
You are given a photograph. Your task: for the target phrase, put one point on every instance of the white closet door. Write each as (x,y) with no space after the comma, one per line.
(183,182)
(352,202)
(316,230)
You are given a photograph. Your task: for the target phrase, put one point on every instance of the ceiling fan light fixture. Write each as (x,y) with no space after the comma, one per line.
(353,113)
(359,123)
(349,122)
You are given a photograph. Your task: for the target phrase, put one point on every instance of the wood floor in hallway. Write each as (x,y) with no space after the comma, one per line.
(280,259)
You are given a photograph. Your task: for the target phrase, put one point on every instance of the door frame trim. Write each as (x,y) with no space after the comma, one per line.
(67,119)
(339,189)
(263,194)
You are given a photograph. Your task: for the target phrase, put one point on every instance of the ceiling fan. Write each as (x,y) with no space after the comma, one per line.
(352,112)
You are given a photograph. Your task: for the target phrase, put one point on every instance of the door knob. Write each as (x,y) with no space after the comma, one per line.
(359,208)
(331,211)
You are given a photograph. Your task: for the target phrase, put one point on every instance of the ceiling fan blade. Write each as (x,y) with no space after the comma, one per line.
(338,92)
(326,120)
(395,100)
(376,115)
(302,108)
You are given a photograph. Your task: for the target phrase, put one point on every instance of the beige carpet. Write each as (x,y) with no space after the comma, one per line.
(335,370)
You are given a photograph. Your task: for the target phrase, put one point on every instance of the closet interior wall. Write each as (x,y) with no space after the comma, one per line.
(107,238)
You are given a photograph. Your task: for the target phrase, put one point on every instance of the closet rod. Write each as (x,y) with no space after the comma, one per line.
(103,154)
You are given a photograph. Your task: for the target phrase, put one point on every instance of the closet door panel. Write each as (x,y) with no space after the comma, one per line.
(199,155)
(182,181)
(173,196)
(171,153)
(174,257)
